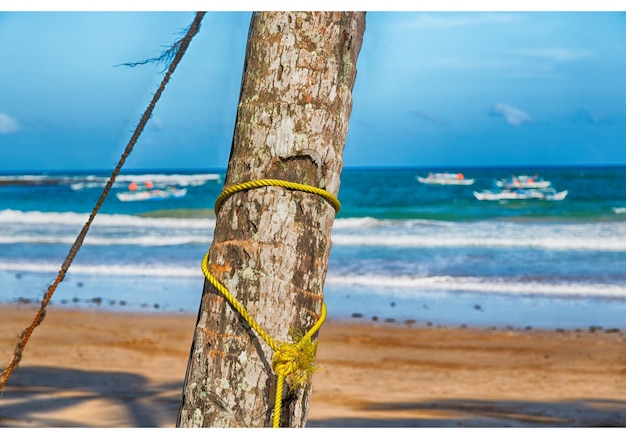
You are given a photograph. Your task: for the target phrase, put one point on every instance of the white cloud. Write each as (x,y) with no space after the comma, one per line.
(556,53)
(590,117)
(157,123)
(470,63)
(455,20)
(428,117)
(512,115)
(8,124)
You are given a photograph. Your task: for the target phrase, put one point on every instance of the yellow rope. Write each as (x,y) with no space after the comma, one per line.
(282,183)
(293,361)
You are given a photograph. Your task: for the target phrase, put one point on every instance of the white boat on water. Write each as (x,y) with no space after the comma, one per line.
(446,178)
(523,182)
(152,194)
(521,194)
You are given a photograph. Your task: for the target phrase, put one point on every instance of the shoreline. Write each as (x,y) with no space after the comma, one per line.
(425,310)
(88,368)
(98,305)
(165,295)
(343,316)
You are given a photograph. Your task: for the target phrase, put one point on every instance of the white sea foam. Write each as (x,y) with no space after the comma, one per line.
(141,241)
(84,181)
(410,286)
(605,236)
(107,270)
(562,242)
(117,229)
(356,223)
(9,216)
(400,286)
(86,185)
(160,179)
(370,223)
(33,178)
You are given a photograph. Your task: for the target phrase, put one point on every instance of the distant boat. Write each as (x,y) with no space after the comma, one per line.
(521,194)
(523,182)
(149,192)
(446,178)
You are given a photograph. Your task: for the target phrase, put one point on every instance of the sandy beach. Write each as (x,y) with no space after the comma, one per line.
(99,369)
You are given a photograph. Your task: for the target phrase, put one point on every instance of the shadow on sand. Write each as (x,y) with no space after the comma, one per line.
(35,394)
(488,413)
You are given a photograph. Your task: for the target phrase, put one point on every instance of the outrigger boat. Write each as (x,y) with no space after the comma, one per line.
(521,194)
(446,178)
(523,182)
(149,192)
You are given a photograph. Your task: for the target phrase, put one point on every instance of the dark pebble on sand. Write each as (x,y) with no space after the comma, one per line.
(595,328)
(375,319)
(612,331)
(18,275)
(122,303)
(79,284)
(478,307)
(156,306)
(97,300)
(528,328)
(75,300)
(357,315)
(390,320)
(410,322)
(112,302)
(561,331)
(392,304)
(429,323)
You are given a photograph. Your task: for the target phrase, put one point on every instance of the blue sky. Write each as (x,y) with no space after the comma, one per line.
(438,89)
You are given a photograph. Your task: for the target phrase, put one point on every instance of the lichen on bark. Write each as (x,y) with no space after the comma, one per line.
(271,245)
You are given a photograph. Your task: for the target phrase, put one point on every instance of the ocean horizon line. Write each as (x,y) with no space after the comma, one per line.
(442,167)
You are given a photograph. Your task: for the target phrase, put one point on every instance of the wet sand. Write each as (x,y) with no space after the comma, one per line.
(102,369)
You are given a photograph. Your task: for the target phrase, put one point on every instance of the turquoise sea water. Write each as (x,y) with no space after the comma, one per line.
(402,251)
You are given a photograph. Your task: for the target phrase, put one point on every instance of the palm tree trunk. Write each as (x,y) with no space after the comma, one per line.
(271,245)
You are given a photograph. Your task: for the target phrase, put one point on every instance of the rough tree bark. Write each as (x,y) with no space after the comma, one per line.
(271,245)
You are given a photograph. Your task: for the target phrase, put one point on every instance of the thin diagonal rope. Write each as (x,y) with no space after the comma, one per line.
(41,313)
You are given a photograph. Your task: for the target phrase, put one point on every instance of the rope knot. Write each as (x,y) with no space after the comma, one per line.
(296,361)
